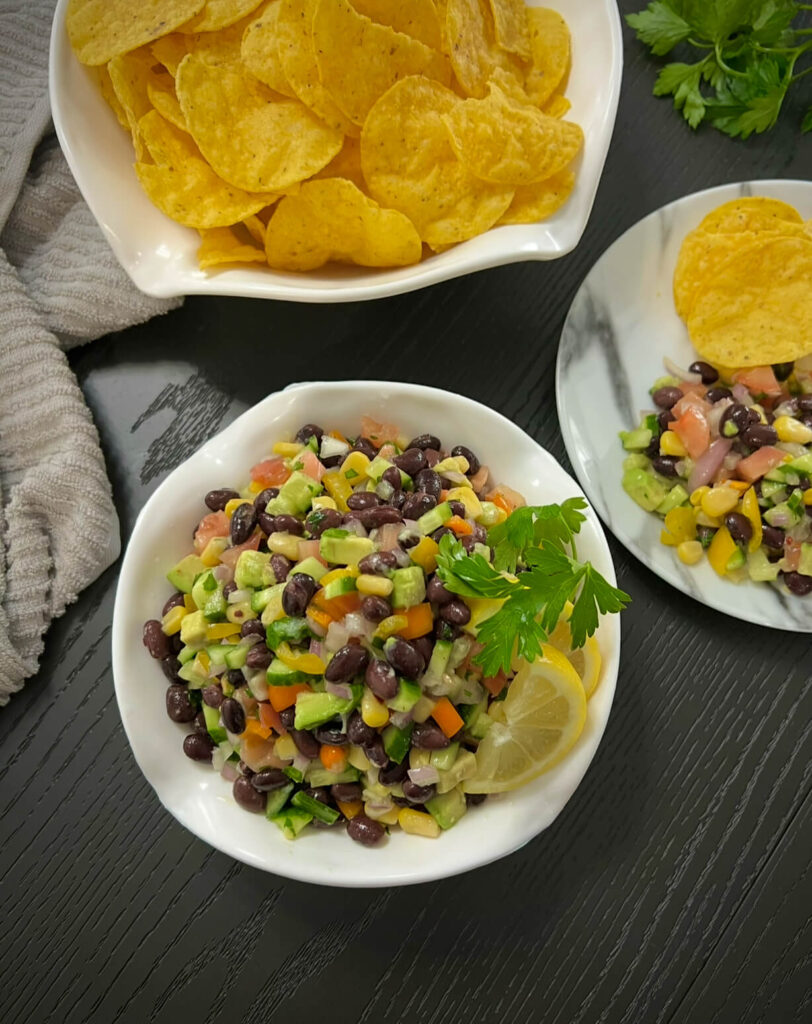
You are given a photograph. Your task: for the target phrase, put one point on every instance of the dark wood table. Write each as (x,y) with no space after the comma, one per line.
(675,886)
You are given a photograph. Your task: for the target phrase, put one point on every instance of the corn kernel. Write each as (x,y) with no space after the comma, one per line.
(808,496)
(285,749)
(286,544)
(374,712)
(719,501)
(287,449)
(213,550)
(714,522)
(380,585)
(324,501)
(699,494)
(473,506)
(233,505)
(171,622)
(681,523)
(689,552)
(389,818)
(354,467)
(670,444)
(358,759)
(789,429)
(418,823)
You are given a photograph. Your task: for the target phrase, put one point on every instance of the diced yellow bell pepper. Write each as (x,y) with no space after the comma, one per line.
(171,622)
(424,554)
(354,468)
(670,444)
(189,603)
(378,585)
(418,823)
(374,712)
(681,524)
(699,494)
(287,449)
(391,625)
(300,661)
(719,500)
(221,630)
(750,508)
(453,464)
(338,487)
(668,539)
(390,818)
(721,548)
(473,506)
(233,505)
(202,662)
(285,748)
(323,501)
(213,551)
(255,487)
(339,574)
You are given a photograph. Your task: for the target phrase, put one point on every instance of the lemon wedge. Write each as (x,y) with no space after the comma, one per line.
(585,660)
(533,728)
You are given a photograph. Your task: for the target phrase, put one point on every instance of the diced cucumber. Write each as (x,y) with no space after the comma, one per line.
(277,800)
(280,674)
(341,547)
(318,776)
(236,655)
(261,598)
(805,562)
(676,496)
(291,821)
(434,518)
(442,760)
(636,440)
(314,709)
(464,767)
(447,808)
(770,489)
(377,468)
(480,727)
(781,512)
(645,488)
(760,568)
(736,561)
(191,674)
(217,654)
(315,808)
(310,566)
(186,654)
(407,696)
(396,741)
(295,495)
(215,730)
(252,570)
(409,587)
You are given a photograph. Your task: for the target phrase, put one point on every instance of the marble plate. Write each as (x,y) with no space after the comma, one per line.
(620,326)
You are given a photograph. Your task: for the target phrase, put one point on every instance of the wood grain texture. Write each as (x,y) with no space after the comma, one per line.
(674,886)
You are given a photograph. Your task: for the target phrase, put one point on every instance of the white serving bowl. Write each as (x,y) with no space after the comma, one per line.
(198,797)
(160,255)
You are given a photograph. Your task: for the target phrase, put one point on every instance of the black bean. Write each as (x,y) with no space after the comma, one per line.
(306,743)
(266,522)
(365,446)
(297,594)
(457,509)
(200,722)
(758,435)
(664,418)
(287,717)
(288,524)
(258,657)
(331,734)
(474,799)
(417,503)
(409,538)
(398,500)
(179,706)
(381,678)
(362,499)
(652,449)
(242,523)
(229,588)
(736,419)
(783,370)
(403,658)
(716,394)
(705,371)
(392,773)
(365,831)
(666,397)
(429,736)
(429,482)
(375,608)
(348,662)
(433,456)
(322,519)
(269,779)
(198,746)
(358,732)
(739,526)
(320,793)
(424,645)
(391,475)
(805,403)
(218,499)
(372,518)
(438,535)
(171,667)
(473,461)
(468,543)
(247,797)
(243,769)
(309,430)
(212,696)
(456,612)
(346,792)
(423,441)
(704,535)
(379,563)
(280,567)
(233,715)
(798,584)
(375,752)
(411,461)
(235,677)
(262,499)
(480,534)
(175,601)
(666,465)
(418,794)
(155,640)
(772,538)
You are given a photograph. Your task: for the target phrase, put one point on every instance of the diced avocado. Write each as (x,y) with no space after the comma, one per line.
(295,495)
(310,567)
(636,440)
(236,655)
(464,767)
(261,598)
(471,712)
(407,696)
(447,808)
(490,515)
(192,674)
(434,518)
(182,576)
(377,468)
(186,654)
(644,488)
(396,741)
(805,562)
(291,821)
(193,629)
(216,731)
(318,776)
(207,594)
(479,727)
(736,560)
(337,588)
(314,709)
(773,490)
(760,568)
(287,630)
(341,546)
(252,570)
(443,760)
(315,808)
(781,512)
(636,462)
(277,800)
(409,587)
(279,674)
(664,382)
(676,496)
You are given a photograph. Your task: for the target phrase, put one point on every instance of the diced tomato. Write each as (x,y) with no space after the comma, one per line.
(270,472)
(759,380)
(311,465)
(760,462)
(376,432)
(495,684)
(270,718)
(230,555)
(506,498)
(693,430)
(691,400)
(215,524)
(692,389)
(792,554)
(310,549)
(258,752)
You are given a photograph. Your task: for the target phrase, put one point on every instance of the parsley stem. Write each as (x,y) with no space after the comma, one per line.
(726,67)
(801,74)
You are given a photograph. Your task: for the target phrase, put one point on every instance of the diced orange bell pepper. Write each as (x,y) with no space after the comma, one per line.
(282,697)
(333,758)
(255,728)
(270,718)
(459,526)
(350,808)
(337,607)
(419,621)
(446,716)
(721,548)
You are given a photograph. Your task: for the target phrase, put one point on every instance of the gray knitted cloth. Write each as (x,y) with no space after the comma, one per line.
(60,285)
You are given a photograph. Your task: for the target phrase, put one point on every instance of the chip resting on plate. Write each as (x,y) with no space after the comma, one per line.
(539,201)
(550,49)
(102,29)
(511,27)
(222,246)
(473,50)
(260,52)
(416,18)
(219,14)
(751,213)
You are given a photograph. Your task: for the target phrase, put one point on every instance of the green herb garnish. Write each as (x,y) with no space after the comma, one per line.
(538,540)
(747,52)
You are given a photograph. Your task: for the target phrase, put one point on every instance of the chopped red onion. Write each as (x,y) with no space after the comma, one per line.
(708,464)
(356,625)
(341,690)
(742,395)
(316,648)
(229,771)
(680,374)
(308,549)
(387,538)
(403,559)
(400,719)
(378,809)
(332,446)
(337,636)
(717,410)
(236,596)
(384,490)
(300,762)
(780,519)
(355,526)
(258,684)
(223,573)
(426,776)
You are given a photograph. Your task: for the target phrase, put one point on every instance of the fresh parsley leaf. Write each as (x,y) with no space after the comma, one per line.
(682,81)
(468,575)
(659,26)
(513,629)
(806,124)
(752,103)
(527,527)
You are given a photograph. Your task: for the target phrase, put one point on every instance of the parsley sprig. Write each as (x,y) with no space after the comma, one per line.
(746,51)
(538,540)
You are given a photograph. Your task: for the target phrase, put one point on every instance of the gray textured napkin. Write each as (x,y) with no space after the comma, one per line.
(60,285)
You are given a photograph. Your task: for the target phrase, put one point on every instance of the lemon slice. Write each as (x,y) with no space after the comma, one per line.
(534,727)
(585,660)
